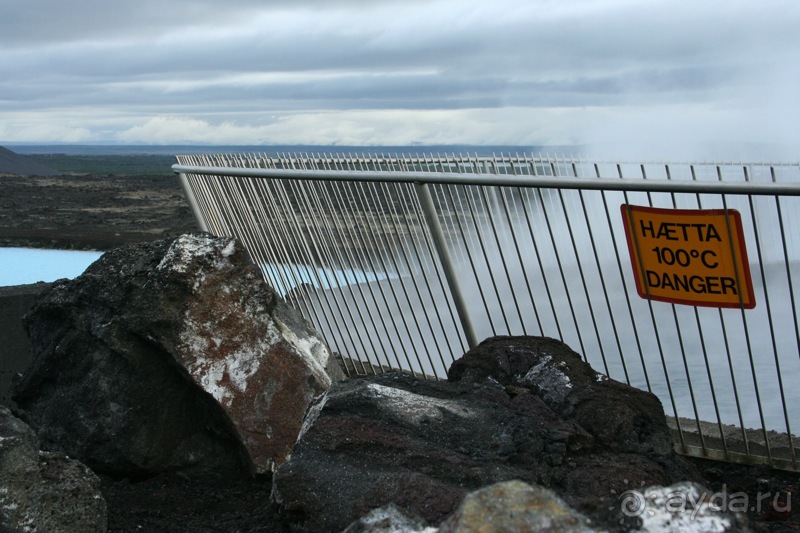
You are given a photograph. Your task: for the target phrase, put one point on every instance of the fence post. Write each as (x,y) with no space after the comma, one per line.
(432,219)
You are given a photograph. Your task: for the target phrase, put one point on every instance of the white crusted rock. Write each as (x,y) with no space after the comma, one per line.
(179,354)
(685,507)
(389,519)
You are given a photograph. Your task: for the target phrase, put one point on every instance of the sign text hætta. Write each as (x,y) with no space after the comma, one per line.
(689,256)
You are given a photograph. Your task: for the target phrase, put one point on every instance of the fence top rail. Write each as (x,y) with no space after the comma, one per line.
(321,159)
(508,180)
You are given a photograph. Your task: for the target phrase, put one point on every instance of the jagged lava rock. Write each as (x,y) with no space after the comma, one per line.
(620,417)
(419,444)
(170,355)
(41,491)
(423,445)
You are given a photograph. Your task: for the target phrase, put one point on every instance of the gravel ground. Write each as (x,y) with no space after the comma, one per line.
(177,505)
(174,504)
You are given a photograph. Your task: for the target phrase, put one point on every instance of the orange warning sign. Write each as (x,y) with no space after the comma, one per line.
(689,256)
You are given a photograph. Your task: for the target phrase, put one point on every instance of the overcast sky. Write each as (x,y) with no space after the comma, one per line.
(360,72)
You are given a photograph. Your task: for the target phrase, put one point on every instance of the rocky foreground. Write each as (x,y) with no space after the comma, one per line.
(172,390)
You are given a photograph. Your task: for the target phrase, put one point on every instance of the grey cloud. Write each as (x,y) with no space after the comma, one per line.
(57,21)
(600,43)
(196,58)
(393,91)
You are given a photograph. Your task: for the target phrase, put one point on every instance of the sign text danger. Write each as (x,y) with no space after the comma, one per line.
(689,256)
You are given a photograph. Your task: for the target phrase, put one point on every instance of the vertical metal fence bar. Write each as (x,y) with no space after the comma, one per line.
(528,219)
(485,255)
(400,250)
(297,246)
(654,320)
(297,288)
(378,243)
(427,244)
(220,218)
(206,203)
(347,253)
(317,243)
(704,350)
(190,197)
(449,220)
(562,273)
(791,298)
(511,227)
(362,243)
(745,438)
(369,250)
(289,233)
(624,286)
(349,257)
(404,249)
(503,261)
(409,247)
(638,251)
(418,245)
(332,244)
(773,339)
(583,283)
(452,311)
(396,253)
(729,355)
(739,277)
(603,286)
(251,237)
(683,348)
(472,265)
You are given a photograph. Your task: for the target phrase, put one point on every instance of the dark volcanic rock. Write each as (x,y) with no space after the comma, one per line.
(514,410)
(619,417)
(41,491)
(171,355)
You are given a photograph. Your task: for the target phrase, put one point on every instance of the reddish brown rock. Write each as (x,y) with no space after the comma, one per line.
(171,355)
(240,343)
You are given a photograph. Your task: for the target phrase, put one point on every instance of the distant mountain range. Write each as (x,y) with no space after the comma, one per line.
(13,163)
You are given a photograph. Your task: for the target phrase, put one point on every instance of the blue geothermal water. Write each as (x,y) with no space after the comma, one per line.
(20,266)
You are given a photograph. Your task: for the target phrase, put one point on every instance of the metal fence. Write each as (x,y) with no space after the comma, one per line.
(404,262)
